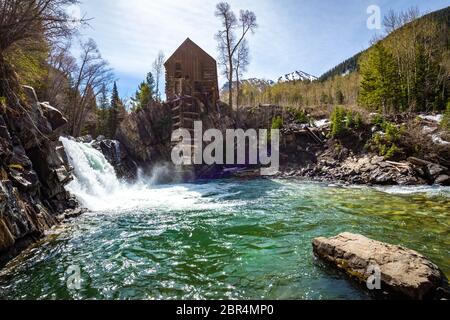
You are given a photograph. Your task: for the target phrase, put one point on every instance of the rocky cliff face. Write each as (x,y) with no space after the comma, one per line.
(33,172)
(347,160)
(146,134)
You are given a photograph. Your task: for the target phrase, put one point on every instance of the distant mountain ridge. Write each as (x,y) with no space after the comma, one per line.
(254,82)
(264,83)
(297,76)
(348,66)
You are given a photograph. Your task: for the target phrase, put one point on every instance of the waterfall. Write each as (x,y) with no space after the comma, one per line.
(94,176)
(96,186)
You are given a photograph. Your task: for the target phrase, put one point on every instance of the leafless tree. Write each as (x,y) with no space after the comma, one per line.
(25,19)
(62,65)
(30,21)
(158,66)
(404,48)
(231,37)
(241,62)
(393,20)
(90,75)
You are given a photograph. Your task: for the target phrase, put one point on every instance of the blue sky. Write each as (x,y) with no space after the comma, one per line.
(308,35)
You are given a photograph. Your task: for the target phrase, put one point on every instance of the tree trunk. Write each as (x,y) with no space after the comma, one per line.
(230,83)
(238,87)
(238,97)
(157,95)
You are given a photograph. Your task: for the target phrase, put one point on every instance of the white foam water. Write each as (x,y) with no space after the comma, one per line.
(97,187)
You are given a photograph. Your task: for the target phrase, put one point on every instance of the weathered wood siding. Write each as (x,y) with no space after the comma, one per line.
(191,71)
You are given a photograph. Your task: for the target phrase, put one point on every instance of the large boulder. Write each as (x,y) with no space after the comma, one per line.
(443,180)
(55,118)
(404,272)
(433,172)
(52,166)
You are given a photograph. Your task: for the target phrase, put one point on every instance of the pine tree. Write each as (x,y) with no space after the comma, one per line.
(113,121)
(103,112)
(150,80)
(380,85)
(145,93)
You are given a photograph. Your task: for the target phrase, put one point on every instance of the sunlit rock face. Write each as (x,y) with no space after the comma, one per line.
(33,173)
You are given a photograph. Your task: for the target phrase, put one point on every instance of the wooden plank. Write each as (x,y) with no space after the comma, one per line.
(192,64)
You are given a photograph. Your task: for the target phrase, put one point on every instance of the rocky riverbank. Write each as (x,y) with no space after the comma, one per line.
(33,172)
(307,151)
(372,170)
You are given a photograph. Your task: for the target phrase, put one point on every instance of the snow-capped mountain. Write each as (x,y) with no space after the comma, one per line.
(254,82)
(264,83)
(297,76)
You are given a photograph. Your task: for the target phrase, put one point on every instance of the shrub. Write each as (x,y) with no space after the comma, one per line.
(358,121)
(277,123)
(342,120)
(392,132)
(385,144)
(392,151)
(337,121)
(378,120)
(30,64)
(301,116)
(445,124)
(349,120)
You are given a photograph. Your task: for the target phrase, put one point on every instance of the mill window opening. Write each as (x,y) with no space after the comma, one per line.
(178,72)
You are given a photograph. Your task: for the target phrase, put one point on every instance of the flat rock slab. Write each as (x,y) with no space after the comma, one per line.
(404,272)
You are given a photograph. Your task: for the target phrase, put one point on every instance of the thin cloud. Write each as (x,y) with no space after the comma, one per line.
(293,34)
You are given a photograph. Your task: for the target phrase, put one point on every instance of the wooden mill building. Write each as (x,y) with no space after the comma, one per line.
(190,71)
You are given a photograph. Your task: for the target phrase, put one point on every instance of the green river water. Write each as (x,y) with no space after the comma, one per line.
(226,239)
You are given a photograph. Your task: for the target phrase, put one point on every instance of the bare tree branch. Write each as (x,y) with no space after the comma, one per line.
(228,42)
(158,66)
